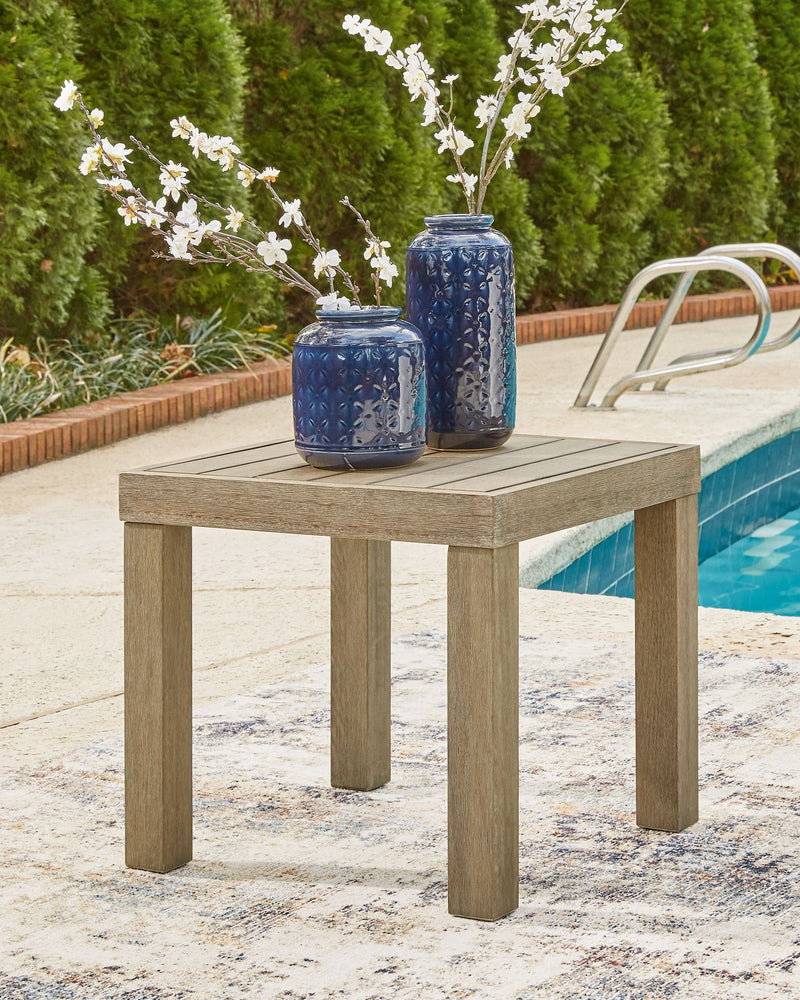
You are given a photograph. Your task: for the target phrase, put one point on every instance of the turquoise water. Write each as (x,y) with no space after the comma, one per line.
(760,572)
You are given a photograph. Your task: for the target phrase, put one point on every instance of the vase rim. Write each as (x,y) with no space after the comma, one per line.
(459,221)
(369,314)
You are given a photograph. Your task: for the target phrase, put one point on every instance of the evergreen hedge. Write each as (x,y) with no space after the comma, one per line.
(48,213)
(778,31)
(721,179)
(145,63)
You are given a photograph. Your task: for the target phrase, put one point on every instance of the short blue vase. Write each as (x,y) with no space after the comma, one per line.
(460,295)
(358,391)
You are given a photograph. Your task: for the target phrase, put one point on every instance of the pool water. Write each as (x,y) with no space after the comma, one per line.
(748,534)
(760,572)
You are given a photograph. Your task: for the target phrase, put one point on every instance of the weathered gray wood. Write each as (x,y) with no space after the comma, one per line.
(311,508)
(483,731)
(570,462)
(444,516)
(158,696)
(360,663)
(665,539)
(226,459)
(591,494)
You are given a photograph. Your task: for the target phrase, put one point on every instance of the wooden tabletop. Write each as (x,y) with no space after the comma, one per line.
(531,486)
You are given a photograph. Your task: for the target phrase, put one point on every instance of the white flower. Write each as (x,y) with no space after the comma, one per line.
(291,214)
(591,57)
(527,78)
(554,80)
(386,270)
(173,180)
(604,15)
(187,216)
(154,215)
(66,98)
(273,250)
(335,303)
(198,142)
(115,184)
(90,160)
(517,123)
(509,156)
(453,138)
(375,248)
(326,262)
(581,23)
(129,211)
(396,60)
(485,109)
(269,175)
(352,24)
(545,54)
(613,46)
(503,66)
(235,219)
(378,41)
(178,243)
(96,117)
(448,80)
(468,181)
(429,111)
(115,154)
(521,41)
(182,128)
(246,176)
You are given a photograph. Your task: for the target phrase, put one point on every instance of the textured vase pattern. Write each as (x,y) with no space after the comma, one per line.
(460,294)
(359,392)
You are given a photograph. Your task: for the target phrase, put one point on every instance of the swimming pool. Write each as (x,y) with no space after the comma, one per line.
(735,502)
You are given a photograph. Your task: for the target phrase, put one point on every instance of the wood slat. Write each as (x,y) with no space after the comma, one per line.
(441,460)
(570,464)
(463,476)
(228,459)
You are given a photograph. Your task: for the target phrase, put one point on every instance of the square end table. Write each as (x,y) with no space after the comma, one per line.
(481,505)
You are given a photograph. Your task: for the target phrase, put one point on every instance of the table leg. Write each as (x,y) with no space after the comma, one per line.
(158,696)
(360,663)
(483,731)
(666,664)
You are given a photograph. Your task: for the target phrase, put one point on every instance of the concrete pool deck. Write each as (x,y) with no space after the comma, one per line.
(261,601)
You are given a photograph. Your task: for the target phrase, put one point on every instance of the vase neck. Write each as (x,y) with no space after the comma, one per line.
(383,314)
(458,223)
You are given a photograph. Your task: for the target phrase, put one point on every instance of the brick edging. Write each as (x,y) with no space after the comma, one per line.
(25,443)
(696,308)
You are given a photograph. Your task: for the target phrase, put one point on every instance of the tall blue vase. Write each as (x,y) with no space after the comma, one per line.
(460,294)
(358,391)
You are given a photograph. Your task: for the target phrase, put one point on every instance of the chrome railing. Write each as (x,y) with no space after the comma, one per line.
(686,267)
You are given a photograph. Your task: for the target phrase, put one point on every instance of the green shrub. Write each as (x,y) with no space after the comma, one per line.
(145,63)
(778,31)
(721,181)
(48,212)
(595,170)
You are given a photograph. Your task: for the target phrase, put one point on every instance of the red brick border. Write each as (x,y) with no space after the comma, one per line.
(24,443)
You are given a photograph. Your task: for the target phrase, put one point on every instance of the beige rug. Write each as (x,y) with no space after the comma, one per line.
(300,891)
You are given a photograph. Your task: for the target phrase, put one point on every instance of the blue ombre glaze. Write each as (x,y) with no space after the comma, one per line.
(358,391)
(460,295)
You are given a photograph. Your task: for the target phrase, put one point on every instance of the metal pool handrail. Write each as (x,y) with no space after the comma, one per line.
(741,251)
(687,267)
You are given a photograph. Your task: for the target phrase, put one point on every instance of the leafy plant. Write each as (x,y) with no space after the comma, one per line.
(131,354)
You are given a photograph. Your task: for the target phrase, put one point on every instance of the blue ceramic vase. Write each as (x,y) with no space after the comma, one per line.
(358,391)
(460,295)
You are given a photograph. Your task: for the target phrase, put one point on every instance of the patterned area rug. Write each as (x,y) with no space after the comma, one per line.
(300,891)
